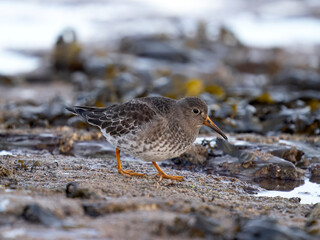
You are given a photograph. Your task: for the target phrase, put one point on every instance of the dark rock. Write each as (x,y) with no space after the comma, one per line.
(278,184)
(196,154)
(67,53)
(313,223)
(196,226)
(92,149)
(73,191)
(295,199)
(29,141)
(6,80)
(315,170)
(205,226)
(266,229)
(37,214)
(130,86)
(250,189)
(298,79)
(102,208)
(153,47)
(254,164)
(292,154)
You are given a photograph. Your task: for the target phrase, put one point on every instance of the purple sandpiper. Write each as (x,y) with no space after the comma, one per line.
(151,128)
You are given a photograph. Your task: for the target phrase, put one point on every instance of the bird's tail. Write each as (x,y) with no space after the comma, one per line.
(90,114)
(70,109)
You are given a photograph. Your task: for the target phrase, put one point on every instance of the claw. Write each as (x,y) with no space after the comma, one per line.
(130,173)
(125,172)
(166,176)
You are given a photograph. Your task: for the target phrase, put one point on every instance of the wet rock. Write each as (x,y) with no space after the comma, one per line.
(197,226)
(266,228)
(313,223)
(250,189)
(196,154)
(59,141)
(254,164)
(154,47)
(34,115)
(36,214)
(315,170)
(278,184)
(292,154)
(74,191)
(298,79)
(6,80)
(67,52)
(30,141)
(80,81)
(129,86)
(227,37)
(194,159)
(108,207)
(92,149)
(295,199)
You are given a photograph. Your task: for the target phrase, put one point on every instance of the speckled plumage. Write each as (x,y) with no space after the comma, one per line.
(152,128)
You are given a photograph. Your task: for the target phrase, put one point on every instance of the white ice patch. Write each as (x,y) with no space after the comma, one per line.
(309,193)
(5,153)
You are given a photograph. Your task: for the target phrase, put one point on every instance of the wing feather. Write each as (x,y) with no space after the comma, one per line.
(117,120)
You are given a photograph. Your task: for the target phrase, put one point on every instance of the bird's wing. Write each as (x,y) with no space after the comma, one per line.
(117,119)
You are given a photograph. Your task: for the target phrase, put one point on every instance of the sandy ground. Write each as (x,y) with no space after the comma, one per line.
(107,205)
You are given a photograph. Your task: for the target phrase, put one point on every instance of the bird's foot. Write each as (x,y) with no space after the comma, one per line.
(166,176)
(130,173)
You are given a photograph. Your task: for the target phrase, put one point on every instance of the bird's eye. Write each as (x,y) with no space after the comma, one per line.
(195,111)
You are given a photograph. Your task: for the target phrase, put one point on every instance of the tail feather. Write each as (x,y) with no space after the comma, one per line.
(70,109)
(90,114)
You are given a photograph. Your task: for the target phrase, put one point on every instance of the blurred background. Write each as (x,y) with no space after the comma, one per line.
(256,63)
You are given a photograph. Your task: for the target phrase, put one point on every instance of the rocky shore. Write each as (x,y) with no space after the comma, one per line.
(63,184)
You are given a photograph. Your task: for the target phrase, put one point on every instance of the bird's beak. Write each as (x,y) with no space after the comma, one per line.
(211,124)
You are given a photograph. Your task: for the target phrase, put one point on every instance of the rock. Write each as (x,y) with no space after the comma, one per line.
(298,79)
(278,184)
(266,229)
(292,154)
(92,149)
(196,154)
(107,207)
(129,86)
(313,223)
(36,214)
(196,226)
(74,191)
(154,47)
(315,170)
(6,172)
(67,53)
(207,227)
(254,164)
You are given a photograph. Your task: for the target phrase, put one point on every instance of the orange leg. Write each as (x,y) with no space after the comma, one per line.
(125,172)
(163,175)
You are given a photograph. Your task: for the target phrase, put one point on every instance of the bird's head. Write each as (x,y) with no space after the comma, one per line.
(195,112)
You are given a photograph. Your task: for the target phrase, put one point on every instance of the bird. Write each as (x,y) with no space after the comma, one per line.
(152,129)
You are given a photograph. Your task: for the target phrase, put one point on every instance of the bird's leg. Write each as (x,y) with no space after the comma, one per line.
(163,175)
(125,172)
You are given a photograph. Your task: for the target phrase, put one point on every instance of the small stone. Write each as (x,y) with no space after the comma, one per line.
(36,214)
